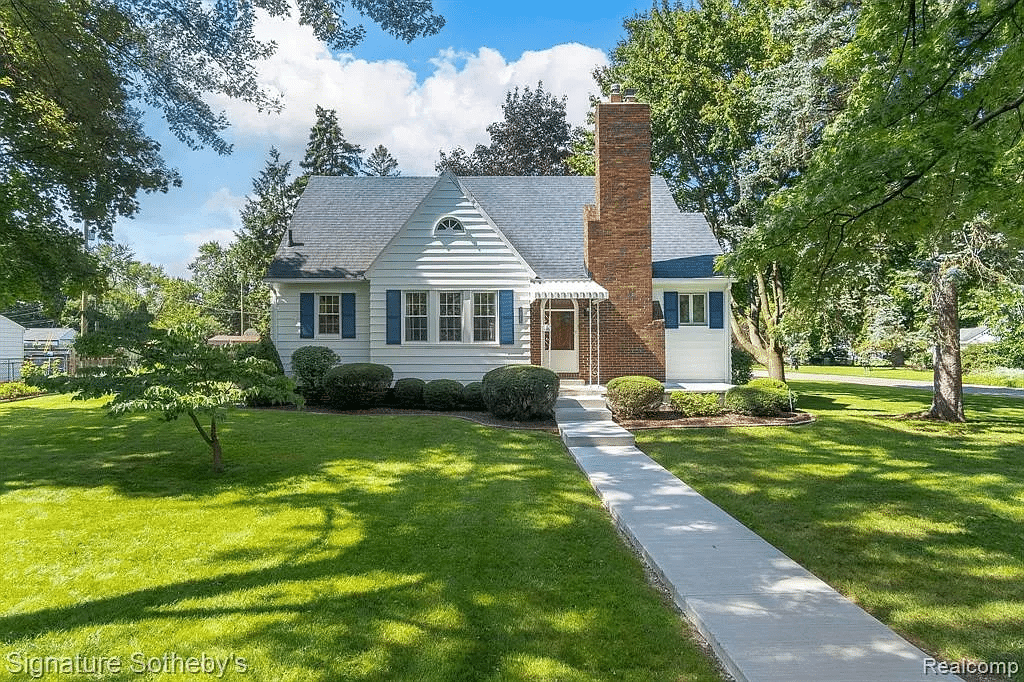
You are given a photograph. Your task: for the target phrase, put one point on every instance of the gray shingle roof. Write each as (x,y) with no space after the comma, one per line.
(341,224)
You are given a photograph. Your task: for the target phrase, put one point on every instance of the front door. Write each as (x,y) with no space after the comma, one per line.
(561,350)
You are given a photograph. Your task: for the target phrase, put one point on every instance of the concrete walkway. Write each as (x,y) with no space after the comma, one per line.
(765,616)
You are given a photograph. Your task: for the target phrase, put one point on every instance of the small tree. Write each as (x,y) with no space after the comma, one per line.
(173,372)
(381,162)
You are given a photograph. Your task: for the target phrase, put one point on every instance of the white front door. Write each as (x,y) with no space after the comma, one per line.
(561,329)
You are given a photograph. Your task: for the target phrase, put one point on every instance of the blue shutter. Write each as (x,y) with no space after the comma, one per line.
(307,315)
(671,310)
(716,312)
(348,316)
(506,317)
(394,316)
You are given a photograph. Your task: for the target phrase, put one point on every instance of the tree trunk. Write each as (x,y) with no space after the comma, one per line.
(756,329)
(218,461)
(948,392)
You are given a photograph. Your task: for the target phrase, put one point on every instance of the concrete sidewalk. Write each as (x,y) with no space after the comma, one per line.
(765,616)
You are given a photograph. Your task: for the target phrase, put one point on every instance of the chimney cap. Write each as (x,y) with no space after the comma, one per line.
(615,93)
(630,94)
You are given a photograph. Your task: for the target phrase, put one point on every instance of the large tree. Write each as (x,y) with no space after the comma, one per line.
(931,142)
(327,151)
(697,68)
(534,138)
(74,78)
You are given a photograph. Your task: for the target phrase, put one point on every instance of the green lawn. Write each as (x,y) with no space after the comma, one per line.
(333,548)
(920,523)
(1010,379)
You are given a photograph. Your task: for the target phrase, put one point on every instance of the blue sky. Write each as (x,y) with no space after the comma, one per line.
(416,99)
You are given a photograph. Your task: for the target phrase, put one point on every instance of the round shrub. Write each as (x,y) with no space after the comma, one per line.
(408,392)
(634,397)
(358,384)
(442,394)
(757,402)
(310,365)
(695,404)
(473,396)
(766,382)
(521,392)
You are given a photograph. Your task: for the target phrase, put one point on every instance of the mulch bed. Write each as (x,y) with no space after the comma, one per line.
(669,419)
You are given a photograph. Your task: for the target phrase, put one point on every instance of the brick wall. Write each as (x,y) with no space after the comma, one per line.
(617,242)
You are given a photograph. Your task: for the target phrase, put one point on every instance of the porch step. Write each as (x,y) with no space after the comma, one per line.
(582,414)
(588,402)
(590,433)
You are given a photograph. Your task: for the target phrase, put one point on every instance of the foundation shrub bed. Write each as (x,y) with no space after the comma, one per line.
(357,385)
(696,404)
(442,395)
(634,397)
(408,392)
(310,365)
(757,401)
(521,392)
(473,396)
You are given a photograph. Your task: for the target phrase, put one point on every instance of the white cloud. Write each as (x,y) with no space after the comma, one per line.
(382,102)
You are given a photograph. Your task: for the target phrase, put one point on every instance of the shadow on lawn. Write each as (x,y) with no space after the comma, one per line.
(918,521)
(471,560)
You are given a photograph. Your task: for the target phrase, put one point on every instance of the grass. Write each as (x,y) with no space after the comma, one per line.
(334,547)
(921,523)
(1004,378)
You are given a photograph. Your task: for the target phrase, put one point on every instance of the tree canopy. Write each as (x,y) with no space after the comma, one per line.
(75,77)
(534,138)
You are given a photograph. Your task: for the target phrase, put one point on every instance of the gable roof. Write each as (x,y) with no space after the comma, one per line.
(341,224)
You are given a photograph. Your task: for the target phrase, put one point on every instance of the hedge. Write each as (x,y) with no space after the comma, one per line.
(696,404)
(408,392)
(358,384)
(442,394)
(634,397)
(521,392)
(310,365)
(757,402)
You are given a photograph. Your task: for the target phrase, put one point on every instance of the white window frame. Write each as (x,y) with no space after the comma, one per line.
(686,303)
(493,316)
(407,329)
(456,299)
(448,226)
(322,316)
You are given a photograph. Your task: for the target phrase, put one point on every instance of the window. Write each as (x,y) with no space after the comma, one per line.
(485,314)
(449,321)
(330,314)
(447,226)
(415,316)
(693,309)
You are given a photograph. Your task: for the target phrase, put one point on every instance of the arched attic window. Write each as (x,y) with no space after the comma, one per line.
(448,226)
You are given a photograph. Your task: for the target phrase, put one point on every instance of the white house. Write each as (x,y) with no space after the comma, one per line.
(12,349)
(594,277)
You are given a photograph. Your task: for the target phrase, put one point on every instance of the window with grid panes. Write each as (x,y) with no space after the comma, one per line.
(416,316)
(330,314)
(449,321)
(485,316)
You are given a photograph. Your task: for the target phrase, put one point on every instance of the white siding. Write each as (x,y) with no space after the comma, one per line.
(284,320)
(416,260)
(697,353)
(12,349)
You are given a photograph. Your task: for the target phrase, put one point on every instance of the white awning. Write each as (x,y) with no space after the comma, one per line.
(568,288)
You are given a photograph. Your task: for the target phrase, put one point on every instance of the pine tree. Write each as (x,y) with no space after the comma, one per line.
(380,162)
(328,152)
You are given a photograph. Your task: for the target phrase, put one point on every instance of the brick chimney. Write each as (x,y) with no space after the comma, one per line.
(617,239)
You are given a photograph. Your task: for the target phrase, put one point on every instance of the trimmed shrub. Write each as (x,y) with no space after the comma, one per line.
(695,404)
(766,382)
(742,366)
(473,396)
(358,384)
(265,350)
(757,402)
(408,392)
(634,397)
(310,365)
(17,389)
(442,394)
(521,392)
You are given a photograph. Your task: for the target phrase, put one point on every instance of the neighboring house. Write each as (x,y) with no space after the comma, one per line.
(12,349)
(970,336)
(453,276)
(46,344)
